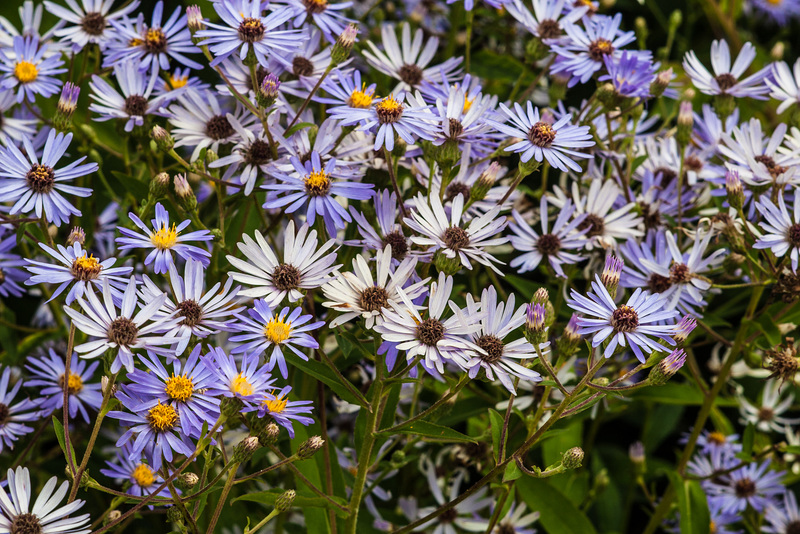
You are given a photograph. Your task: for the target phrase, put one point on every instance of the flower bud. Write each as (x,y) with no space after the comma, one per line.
(76,235)
(162,138)
(611,274)
(398,459)
(344,44)
(400,148)
(777,51)
(174,515)
(573,458)
(230,406)
(661,82)
(112,516)
(284,502)
(184,192)
(685,123)
(535,329)
(159,185)
(666,368)
(194,20)
(269,435)
(67,103)
(608,96)
(484,183)
(245,449)
(637,456)
(268,91)
(735,190)
(541,296)
(310,447)
(210,157)
(186,481)
(444,264)
(684,328)
(675,20)
(568,342)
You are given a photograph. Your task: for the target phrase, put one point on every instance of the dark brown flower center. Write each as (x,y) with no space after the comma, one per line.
(793,527)
(773,168)
(430,332)
(26,524)
(455,238)
(302,66)
(286,277)
(667,175)
(398,242)
(725,81)
(218,127)
(766,414)
(745,488)
(457,188)
(548,244)
(449,516)
(191,312)
(793,235)
(373,299)
(251,30)
(155,41)
(493,347)
(658,283)
(258,154)
(542,134)
(5,413)
(506,528)
(549,29)
(122,331)
(595,224)
(389,110)
(625,319)
(456,128)
(314,7)
(93,23)
(40,178)
(411,74)
(693,163)
(135,105)
(651,216)
(599,48)
(679,273)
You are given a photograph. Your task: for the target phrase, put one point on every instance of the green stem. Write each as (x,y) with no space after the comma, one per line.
(222,498)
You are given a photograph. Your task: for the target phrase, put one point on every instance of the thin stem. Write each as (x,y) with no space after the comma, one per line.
(67,364)
(387,155)
(222,498)
(308,98)
(433,407)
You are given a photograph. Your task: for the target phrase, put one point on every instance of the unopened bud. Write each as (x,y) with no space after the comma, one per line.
(174,515)
(684,328)
(485,182)
(608,95)
(112,516)
(666,368)
(310,447)
(211,157)
(68,101)
(535,50)
(269,435)
(685,123)
(230,406)
(245,449)
(184,192)
(194,20)
(675,19)
(159,185)
(344,44)
(444,264)
(541,296)
(777,51)
(611,274)
(104,385)
(284,502)
(637,456)
(398,458)
(535,330)
(400,148)
(735,190)
(186,481)
(268,91)
(660,84)
(569,340)
(162,138)
(76,235)
(573,458)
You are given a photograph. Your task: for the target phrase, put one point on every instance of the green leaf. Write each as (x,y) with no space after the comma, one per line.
(677,393)
(137,188)
(434,432)
(558,514)
(692,505)
(512,472)
(324,374)
(61,437)
(497,427)
(302,500)
(297,127)
(748,438)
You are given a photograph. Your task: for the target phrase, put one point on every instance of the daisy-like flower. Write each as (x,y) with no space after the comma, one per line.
(201,313)
(783,519)
(248,158)
(134,103)
(247,381)
(244,29)
(547,19)
(410,64)
(44,516)
(632,324)
(37,186)
(184,389)
(346,90)
(283,411)
(445,234)
(784,84)
(461,121)
(152,45)
(406,116)
(304,266)
(265,329)
(14,415)
(758,158)
(154,429)
(754,485)
(781,229)
(499,358)
(725,80)
(10,274)
(142,478)
(767,416)
(437,339)
(389,231)
(551,244)
(29,71)
(164,239)
(630,74)
(307,63)
(542,140)
(122,332)
(87,22)
(13,128)
(582,54)
(48,375)
(359,294)
(326,16)
(311,184)
(75,268)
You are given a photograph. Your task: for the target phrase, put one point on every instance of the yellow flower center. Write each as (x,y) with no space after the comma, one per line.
(467,104)
(143,476)
(775,2)
(85,269)
(361,99)
(165,238)
(74,384)
(135,42)
(390,104)
(277,331)
(241,386)
(276,405)
(317,183)
(176,82)
(717,438)
(179,388)
(26,72)
(162,417)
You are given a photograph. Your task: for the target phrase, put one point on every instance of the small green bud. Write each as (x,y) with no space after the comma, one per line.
(398,458)
(685,123)
(446,265)
(174,515)
(184,192)
(724,104)
(666,368)
(186,481)
(159,185)
(284,502)
(269,435)
(162,138)
(400,148)
(641,30)
(573,458)
(660,84)
(230,406)
(344,44)
(245,449)
(310,447)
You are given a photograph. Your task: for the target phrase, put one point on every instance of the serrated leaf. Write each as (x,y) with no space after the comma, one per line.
(434,432)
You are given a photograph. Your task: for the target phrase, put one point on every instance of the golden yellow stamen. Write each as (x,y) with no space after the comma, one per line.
(717,438)
(176,82)
(277,331)
(143,476)
(162,417)
(74,384)
(26,72)
(276,405)
(179,388)
(241,386)
(361,99)
(165,238)
(467,104)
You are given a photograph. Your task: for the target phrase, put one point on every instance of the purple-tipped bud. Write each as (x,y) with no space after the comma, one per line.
(667,367)
(611,274)
(268,90)
(344,44)
(68,101)
(485,182)
(76,235)
(660,84)
(194,19)
(735,190)
(535,329)
(636,452)
(568,342)
(162,138)
(684,328)
(184,192)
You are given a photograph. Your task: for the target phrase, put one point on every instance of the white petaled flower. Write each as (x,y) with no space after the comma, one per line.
(13,128)
(248,157)
(545,22)
(785,84)
(767,414)
(756,157)
(499,358)
(304,266)
(87,22)
(725,80)
(781,229)
(44,516)
(445,234)
(359,294)
(123,331)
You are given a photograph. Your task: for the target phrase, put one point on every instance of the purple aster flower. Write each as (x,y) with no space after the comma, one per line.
(283,411)
(346,90)
(462,121)
(781,12)
(247,381)
(245,29)
(164,239)
(754,484)
(142,478)
(87,22)
(29,70)
(542,140)
(265,329)
(326,16)
(37,186)
(547,19)
(725,80)
(10,275)
(249,157)
(783,519)
(312,185)
(630,324)
(48,375)
(552,244)
(389,231)
(630,74)
(781,230)
(26,410)
(755,156)
(784,84)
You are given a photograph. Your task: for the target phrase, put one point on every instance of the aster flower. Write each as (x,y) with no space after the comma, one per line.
(630,74)
(265,329)
(756,158)
(29,71)
(461,121)
(409,63)
(346,90)
(246,381)
(781,230)
(76,269)
(547,19)
(707,442)
(10,275)
(30,17)
(37,186)
(725,80)
(781,12)
(752,485)
(142,478)
(87,22)
(248,158)
(632,324)
(303,267)
(283,411)
(184,389)
(767,416)
(552,245)
(48,375)
(14,415)
(542,140)
(164,239)
(44,516)
(13,128)
(358,294)
(326,16)
(783,519)
(446,235)
(306,62)
(244,29)
(123,332)
(784,84)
